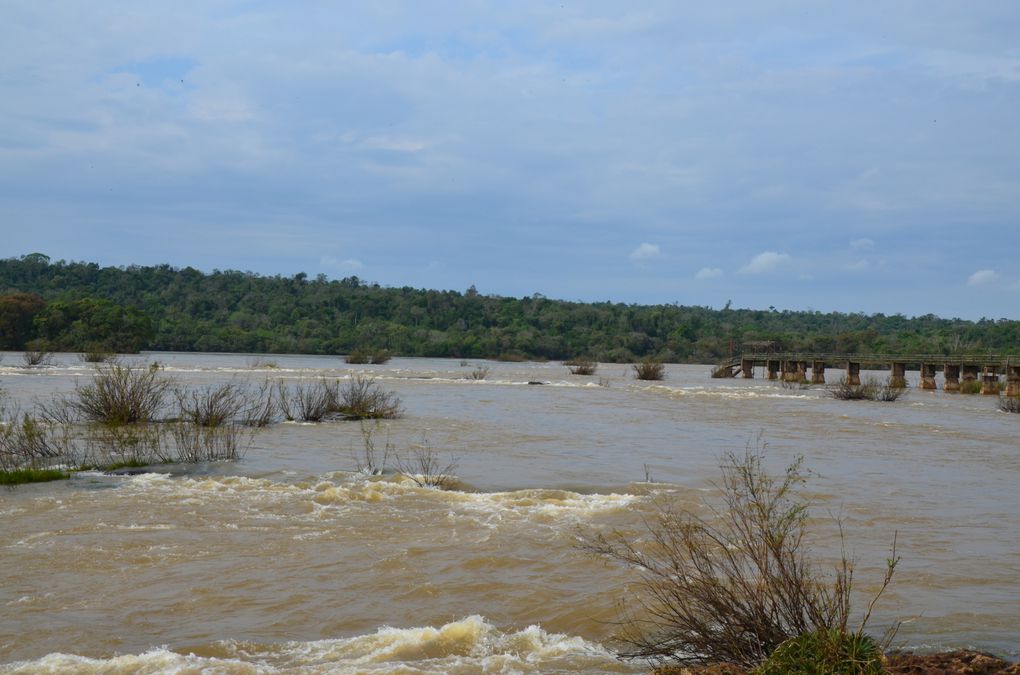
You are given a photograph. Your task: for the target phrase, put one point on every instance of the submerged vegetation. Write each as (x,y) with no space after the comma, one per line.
(871,389)
(73,306)
(737,586)
(649,369)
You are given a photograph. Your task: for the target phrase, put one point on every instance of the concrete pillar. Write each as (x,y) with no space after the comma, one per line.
(773,367)
(785,367)
(990,381)
(818,372)
(898,377)
(1012,380)
(747,368)
(801,371)
(928,376)
(952,373)
(853,373)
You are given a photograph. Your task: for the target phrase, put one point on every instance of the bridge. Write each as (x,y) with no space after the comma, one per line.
(793,367)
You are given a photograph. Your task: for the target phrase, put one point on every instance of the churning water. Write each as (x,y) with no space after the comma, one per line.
(290,560)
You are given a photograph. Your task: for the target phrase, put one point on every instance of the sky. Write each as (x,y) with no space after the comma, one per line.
(811,155)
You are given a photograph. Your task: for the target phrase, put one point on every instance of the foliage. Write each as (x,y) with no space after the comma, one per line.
(649,369)
(832,652)
(188,310)
(971,387)
(31,475)
(733,586)
(121,395)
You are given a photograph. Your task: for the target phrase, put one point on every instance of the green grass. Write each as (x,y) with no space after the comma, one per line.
(29,475)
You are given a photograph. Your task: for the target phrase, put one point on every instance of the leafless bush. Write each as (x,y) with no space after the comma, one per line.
(27,441)
(122,395)
(361,398)
(109,447)
(260,410)
(870,390)
(214,405)
(425,469)
(795,385)
(649,369)
(733,586)
(306,401)
(37,357)
(1009,404)
(369,462)
(581,366)
(195,443)
(479,373)
(261,362)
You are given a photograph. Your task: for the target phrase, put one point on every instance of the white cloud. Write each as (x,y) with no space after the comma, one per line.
(646,251)
(858,266)
(347,264)
(982,277)
(766,262)
(863,244)
(708,273)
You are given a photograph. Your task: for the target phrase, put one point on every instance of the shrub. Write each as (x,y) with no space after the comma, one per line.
(37,357)
(970,387)
(425,469)
(649,369)
(194,443)
(96,354)
(122,395)
(1009,404)
(358,357)
(581,366)
(308,402)
(260,410)
(369,462)
(735,586)
(213,405)
(869,390)
(361,398)
(380,357)
(480,373)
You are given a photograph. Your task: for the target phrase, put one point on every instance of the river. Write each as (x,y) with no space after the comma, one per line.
(290,560)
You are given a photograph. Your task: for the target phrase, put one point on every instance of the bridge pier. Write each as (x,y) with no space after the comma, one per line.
(1012,380)
(747,368)
(853,373)
(898,378)
(990,380)
(928,376)
(952,373)
(970,373)
(818,372)
(772,366)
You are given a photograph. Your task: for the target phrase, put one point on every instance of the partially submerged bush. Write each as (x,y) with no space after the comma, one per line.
(37,357)
(214,405)
(361,398)
(308,402)
(970,387)
(649,369)
(479,373)
(425,469)
(121,395)
(96,354)
(361,356)
(195,443)
(871,389)
(581,366)
(736,585)
(1009,404)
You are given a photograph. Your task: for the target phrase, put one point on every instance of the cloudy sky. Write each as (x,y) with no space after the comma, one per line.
(856,156)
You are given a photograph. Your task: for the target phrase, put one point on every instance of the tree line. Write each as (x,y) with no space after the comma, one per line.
(73,306)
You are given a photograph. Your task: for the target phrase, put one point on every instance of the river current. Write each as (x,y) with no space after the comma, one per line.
(290,560)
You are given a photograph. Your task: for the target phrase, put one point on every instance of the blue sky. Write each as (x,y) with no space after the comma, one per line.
(804,155)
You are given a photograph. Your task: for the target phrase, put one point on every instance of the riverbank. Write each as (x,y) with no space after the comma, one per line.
(959,662)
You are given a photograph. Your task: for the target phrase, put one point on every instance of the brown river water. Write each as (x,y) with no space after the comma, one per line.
(290,560)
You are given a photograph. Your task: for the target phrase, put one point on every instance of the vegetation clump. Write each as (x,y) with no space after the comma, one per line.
(306,402)
(212,406)
(31,475)
(360,356)
(425,469)
(581,366)
(870,390)
(122,395)
(970,387)
(479,373)
(1010,404)
(649,369)
(735,586)
(361,398)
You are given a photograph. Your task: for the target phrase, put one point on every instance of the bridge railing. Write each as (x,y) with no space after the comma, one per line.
(979,359)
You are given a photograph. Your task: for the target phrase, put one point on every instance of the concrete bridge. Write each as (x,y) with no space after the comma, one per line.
(793,367)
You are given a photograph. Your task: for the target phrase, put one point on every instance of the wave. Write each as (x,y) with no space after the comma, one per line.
(470,645)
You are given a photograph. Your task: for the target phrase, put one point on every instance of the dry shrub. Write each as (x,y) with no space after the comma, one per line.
(96,354)
(194,443)
(735,585)
(581,366)
(361,398)
(480,373)
(306,401)
(1009,404)
(121,395)
(425,469)
(37,357)
(260,410)
(369,461)
(870,390)
(214,405)
(649,369)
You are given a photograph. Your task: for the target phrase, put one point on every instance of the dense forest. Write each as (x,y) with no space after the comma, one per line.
(75,306)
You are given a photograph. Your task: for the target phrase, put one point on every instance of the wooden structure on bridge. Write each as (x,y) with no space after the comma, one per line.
(793,367)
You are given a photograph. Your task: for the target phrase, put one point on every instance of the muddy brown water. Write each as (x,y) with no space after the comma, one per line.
(290,560)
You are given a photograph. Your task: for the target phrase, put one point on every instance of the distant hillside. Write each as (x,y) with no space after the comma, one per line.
(72,305)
